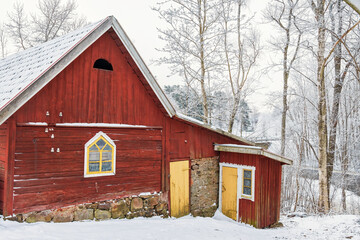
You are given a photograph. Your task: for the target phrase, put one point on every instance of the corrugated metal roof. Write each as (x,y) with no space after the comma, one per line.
(20,70)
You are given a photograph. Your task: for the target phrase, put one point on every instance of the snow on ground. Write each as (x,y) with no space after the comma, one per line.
(219,227)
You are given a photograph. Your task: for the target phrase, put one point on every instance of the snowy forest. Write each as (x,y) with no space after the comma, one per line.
(216,50)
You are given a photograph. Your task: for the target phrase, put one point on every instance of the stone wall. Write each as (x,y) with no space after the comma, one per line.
(204,186)
(129,207)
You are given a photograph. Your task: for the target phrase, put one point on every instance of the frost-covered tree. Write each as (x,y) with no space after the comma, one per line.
(3,41)
(186,100)
(284,15)
(240,51)
(52,19)
(191,40)
(18,26)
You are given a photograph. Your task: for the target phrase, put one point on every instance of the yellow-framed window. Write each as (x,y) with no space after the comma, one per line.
(247,183)
(100,155)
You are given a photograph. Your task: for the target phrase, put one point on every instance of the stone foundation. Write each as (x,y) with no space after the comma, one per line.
(204,186)
(129,207)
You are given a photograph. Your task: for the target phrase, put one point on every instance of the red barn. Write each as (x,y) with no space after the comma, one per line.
(85,129)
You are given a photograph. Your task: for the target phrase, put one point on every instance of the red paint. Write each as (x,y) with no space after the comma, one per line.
(3,161)
(265,210)
(48,180)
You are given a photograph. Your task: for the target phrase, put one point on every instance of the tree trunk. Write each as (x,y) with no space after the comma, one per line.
(284,110)
(324,205)
(336,94)
(202,23)
(233,112)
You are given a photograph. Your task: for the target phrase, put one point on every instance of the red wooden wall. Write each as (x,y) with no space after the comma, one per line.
(269,184)
(45,179)
(3,160)
(86,95)
(265,210)
(189,141)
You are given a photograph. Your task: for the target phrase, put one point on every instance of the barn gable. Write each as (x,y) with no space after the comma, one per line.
(82,93)
(39,65)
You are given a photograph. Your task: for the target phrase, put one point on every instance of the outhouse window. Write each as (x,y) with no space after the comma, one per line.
(247,183)
(100,156)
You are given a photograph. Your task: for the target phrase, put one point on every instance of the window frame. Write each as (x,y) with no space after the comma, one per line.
(244,195)
(90,143)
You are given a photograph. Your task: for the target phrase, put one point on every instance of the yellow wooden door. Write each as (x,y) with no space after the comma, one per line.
(229,192)
(179,188)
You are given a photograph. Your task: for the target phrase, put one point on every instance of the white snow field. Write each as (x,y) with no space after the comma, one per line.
(219,227)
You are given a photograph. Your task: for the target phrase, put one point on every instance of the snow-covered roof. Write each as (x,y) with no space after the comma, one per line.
(236,148)
(25,73)
(20,70)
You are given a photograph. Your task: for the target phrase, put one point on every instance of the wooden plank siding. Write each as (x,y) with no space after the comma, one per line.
(45,179)
(3,160)
(265,210)
(85,94)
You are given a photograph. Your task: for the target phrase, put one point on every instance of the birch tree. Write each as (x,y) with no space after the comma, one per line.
(319,13)
(191,39)
(241,51)
(282,14)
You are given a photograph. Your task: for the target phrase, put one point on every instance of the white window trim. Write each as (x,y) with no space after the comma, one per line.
(239,194)
(91,141)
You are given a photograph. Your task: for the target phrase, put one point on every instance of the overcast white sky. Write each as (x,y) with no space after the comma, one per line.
(140,23)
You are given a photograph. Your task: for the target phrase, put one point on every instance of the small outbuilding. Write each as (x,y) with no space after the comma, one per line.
(86,132)
(250,180)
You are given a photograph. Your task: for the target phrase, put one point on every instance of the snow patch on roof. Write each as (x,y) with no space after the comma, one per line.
(20,70)
(190,119)
(239,146)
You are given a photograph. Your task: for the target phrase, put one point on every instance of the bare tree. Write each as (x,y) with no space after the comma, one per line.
(53,19)
(282,13)
(241,50)
(319,9)
(191,40)
(18,26)
(3,41)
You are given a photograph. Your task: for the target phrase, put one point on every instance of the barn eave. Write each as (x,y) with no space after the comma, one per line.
(235,148)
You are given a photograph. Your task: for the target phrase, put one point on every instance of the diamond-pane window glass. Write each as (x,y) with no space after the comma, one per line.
(107,147)
(93,148)
(100,143)
(100,156)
